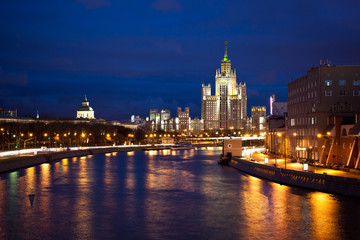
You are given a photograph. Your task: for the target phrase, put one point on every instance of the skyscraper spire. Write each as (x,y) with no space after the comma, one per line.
(225,55)
(85,100)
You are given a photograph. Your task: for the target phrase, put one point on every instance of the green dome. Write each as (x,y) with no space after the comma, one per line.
(85,108)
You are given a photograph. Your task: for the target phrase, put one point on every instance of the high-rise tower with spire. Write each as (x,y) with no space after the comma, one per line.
(227,108)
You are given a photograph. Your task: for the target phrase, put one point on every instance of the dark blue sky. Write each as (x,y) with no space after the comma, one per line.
(130,56)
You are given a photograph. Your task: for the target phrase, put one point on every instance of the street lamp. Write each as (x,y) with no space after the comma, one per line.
(279,135)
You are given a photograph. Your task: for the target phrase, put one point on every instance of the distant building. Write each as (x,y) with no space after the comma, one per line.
(196,125)
(137,120)
(85,111)
(184,119)
(277,108)
(8,113)
(324,91)
(227,108)
(158,120)
(258,118)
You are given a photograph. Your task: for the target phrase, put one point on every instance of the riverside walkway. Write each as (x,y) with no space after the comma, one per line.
(259,157)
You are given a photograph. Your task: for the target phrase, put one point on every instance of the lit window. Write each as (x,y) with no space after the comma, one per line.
(328,93)
(328,83)
(356,82)
(342,93)
(356,93)
(312,121)
(342,82)
(292,122)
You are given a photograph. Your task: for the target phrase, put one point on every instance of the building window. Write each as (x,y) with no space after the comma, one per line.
(356,82)
(312,120)
(356,93)
(292,122)
(328,93)
(342,82)
(328,83)
(342,93)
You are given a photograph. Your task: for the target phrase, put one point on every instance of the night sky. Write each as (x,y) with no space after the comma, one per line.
(130,56)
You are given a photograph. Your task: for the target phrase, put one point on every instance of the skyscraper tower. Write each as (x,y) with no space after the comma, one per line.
(227,108)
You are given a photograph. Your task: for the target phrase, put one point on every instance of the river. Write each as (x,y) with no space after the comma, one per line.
(182,194)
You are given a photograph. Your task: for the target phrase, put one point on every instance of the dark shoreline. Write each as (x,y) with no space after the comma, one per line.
(13,164)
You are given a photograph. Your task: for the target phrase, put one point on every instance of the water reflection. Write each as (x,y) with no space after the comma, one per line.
(324,214)
(162,195)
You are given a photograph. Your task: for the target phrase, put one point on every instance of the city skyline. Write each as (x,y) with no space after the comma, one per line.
(156,54)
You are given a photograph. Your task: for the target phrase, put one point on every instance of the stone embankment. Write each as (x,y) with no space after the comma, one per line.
(14,163)
(320,182)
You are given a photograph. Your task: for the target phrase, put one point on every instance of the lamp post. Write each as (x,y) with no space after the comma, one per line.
(285,148)
(279,135)
(296,145)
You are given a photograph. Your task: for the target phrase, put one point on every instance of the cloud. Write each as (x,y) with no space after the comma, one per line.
(92,4)
(167,5)
(16,78)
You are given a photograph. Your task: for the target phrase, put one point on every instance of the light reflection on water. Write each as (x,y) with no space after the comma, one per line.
(162,195)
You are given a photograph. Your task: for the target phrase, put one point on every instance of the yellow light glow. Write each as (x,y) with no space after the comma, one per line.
(45,134)
(328,133)
(30,134)
(319,135)
(279,134)
(294,134)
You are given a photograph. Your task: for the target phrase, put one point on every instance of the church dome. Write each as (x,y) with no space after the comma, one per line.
(85,111)
(85,108)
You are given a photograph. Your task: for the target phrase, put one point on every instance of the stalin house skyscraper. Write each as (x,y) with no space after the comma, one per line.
(228,107)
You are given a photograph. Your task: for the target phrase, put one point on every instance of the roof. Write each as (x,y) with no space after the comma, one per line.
(355,130)
(328,128)
(85,108)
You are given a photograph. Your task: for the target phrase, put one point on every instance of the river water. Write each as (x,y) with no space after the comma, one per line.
(182,194)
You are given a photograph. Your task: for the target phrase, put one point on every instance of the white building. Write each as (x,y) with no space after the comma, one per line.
(227,108)
(85,111)
(277,108)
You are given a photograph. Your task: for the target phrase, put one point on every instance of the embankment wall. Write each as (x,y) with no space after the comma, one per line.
(314,181)
(23,162)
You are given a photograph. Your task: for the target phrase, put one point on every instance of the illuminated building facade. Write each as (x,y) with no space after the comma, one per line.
(8,113)
(196,125)
(324,91)
(258,119)
(184,119)
(85,111)
(227,108)
(159,120)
